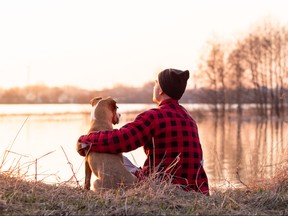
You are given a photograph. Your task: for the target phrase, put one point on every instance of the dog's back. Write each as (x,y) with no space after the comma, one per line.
(108,168)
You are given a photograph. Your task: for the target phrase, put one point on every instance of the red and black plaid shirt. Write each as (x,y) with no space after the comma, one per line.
(169,133)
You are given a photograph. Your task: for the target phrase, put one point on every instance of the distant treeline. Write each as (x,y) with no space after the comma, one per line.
(123,94)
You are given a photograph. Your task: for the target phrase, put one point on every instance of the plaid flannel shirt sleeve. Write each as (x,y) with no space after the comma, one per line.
(127,138)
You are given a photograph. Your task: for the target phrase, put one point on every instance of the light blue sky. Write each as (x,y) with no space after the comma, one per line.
(95,44)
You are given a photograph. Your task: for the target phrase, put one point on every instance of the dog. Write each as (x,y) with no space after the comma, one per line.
(108,168)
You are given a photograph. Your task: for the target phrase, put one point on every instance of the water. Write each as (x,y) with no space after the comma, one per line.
(41,143)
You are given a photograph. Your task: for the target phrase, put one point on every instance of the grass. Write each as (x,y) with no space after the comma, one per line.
(19,196)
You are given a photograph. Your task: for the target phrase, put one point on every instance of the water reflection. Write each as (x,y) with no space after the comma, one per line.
(235,151)
(239,151)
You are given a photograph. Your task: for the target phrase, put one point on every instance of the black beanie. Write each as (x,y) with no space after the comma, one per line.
(173,82)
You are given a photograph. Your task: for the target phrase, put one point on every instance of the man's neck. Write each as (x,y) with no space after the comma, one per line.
(164,97)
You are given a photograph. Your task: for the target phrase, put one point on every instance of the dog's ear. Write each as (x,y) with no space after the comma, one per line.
(95,100)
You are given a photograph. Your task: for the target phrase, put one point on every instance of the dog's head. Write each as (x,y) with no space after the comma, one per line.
(104,108)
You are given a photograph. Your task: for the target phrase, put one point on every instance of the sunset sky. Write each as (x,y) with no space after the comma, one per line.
(96,44)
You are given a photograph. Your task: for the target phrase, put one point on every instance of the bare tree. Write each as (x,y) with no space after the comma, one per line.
(214,73)
(237,70)
(257,61)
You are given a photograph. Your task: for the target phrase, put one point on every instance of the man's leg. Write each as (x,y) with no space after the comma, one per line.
(129,165)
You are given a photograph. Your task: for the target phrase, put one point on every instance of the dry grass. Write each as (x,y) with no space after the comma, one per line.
(21,197)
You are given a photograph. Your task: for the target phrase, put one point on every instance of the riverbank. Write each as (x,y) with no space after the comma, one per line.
(21,197)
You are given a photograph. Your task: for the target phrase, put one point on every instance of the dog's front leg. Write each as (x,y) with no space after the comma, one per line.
(88,174)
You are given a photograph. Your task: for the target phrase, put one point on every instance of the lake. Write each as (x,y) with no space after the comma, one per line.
(38,142)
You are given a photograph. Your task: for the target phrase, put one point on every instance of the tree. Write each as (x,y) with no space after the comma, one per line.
(213,71)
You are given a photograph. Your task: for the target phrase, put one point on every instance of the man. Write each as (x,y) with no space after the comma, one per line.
(168,134)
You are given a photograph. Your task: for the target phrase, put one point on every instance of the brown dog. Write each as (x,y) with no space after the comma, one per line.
(108,168)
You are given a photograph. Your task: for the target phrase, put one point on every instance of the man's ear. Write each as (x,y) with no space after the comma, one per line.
(161,92)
